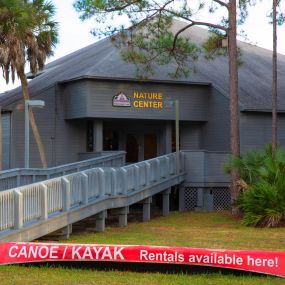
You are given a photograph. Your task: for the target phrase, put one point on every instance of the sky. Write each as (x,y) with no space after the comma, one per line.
(75,34)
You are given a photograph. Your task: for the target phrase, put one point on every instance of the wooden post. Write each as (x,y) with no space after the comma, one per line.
(122,213)
(146,209)
(84,188)
(65,194)
(100,221)
(18,216)
(44,202)
(165,202)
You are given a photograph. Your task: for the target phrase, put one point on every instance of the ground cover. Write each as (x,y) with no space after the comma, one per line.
(204,230)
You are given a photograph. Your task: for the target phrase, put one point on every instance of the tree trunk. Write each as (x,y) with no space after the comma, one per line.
(1,141)
(274,81)
(35,130)
(234,112)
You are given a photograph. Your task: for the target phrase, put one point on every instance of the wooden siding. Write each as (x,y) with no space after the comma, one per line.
(45,122)
(190,135)
(62,140)
(216,132)
(256,130)
(205,168)
(71,136)
(93,99)
(6,143)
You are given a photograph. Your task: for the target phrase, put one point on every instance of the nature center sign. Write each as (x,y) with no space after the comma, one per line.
(148,100)
(139,99)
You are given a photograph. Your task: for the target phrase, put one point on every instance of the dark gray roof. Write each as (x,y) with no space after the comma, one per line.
(102,60)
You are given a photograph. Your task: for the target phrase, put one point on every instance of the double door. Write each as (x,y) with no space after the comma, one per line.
(140,146)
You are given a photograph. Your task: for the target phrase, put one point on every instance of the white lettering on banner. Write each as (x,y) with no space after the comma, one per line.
(267,262)
(118,253)
(97,250)
(87,253)
(13,255)
(107,254)
(54,252)
(34,252)
(161,257)
(23,252)
(43,252)
(214,258)
(262,261)
(98,253)
(75,252)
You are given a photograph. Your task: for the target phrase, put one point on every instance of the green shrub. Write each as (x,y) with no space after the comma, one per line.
(262,201)
(263,204)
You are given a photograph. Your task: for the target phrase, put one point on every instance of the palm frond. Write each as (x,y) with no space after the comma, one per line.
(28,34)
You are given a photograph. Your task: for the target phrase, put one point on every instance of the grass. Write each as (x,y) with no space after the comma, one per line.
(205,230)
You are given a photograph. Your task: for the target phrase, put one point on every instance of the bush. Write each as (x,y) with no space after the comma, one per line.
(262,199)
(263,204)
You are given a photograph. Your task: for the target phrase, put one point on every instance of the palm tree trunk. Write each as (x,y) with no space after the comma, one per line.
(274,80)
(35,130)
(234,112)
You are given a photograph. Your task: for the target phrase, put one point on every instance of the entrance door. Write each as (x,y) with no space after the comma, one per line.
(150,146)
(132,148)
(148,149)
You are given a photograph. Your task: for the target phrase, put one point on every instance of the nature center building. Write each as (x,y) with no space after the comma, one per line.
(94,102)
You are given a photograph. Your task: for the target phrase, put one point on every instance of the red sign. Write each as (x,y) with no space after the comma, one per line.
(267,262)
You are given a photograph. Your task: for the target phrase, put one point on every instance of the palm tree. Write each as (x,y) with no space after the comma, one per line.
(27,34)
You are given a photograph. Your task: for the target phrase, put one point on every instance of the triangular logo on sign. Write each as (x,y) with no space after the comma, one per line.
(121,100)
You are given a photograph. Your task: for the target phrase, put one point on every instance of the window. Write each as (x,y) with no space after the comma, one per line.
(111,140)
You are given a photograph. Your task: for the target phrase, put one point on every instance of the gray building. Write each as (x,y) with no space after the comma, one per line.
(94,102)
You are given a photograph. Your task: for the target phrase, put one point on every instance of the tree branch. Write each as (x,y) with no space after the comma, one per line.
(194,23)
(222,3)
(197,23)
(211,25)
(178,33)
(151,16)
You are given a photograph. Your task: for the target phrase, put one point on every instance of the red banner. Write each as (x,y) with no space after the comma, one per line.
(267,262)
